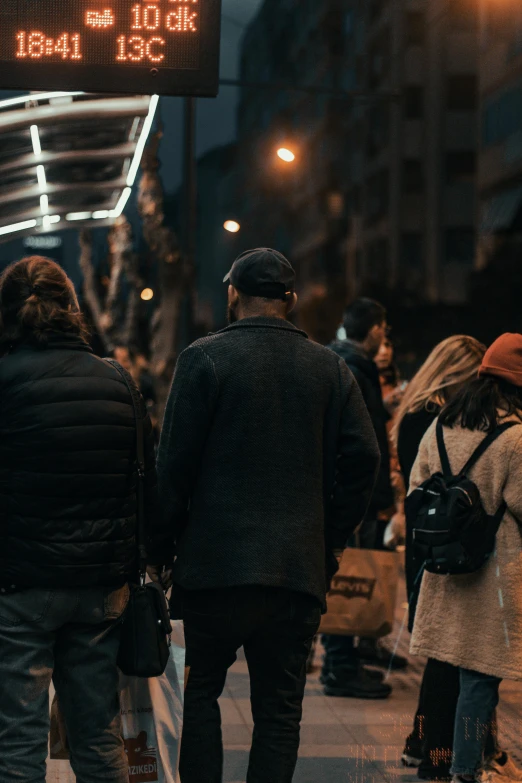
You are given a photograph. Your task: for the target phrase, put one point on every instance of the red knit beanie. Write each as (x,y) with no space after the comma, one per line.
(503,359)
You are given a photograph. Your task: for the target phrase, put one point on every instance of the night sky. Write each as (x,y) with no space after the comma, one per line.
(216,116)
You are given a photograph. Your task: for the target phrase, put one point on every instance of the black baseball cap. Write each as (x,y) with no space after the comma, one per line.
(263,272)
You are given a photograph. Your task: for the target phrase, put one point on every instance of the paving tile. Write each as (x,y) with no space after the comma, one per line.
(351,740)
(237,734)
(332,734)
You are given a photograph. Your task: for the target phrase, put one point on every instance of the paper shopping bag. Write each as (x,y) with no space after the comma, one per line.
(362,598)
(152,718)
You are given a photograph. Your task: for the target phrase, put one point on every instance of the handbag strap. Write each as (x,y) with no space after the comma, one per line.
(140,466)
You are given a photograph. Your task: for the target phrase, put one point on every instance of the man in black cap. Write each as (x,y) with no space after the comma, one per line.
(266,465)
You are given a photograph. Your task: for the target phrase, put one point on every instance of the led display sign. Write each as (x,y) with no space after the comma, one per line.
(167,47)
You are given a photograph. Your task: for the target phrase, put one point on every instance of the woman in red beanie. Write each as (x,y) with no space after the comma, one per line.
(474,621)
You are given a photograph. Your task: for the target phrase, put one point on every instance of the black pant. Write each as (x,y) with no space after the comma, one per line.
(434,725)
(276,628)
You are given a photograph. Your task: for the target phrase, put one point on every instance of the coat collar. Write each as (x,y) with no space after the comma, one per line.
(357,349)
(263,322)
(55,341)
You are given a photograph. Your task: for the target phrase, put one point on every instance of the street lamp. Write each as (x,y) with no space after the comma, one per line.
(232,226)
(286,155)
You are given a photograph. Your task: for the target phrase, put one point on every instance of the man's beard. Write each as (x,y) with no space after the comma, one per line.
(231,315)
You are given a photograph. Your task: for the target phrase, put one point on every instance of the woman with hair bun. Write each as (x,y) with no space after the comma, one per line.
(67,528)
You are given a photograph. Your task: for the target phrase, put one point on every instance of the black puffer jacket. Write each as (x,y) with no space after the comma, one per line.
(367,376)
(67,478)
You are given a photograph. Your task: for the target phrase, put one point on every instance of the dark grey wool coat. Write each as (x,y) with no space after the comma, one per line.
(267,459)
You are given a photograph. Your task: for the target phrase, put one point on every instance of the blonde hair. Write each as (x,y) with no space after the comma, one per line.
(451,363)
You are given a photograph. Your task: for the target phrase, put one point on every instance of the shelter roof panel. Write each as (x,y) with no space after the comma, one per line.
(69,154)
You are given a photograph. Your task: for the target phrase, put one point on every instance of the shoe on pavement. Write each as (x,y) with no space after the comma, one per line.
(504,766)
(373,674)
(360,686)
(375,654)
(410,761)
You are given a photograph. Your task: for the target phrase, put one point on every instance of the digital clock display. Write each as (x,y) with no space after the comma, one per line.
(140,46)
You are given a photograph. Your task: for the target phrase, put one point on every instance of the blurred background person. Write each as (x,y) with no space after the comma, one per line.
(450,365)
(343,673)
(392,522)
(473,622)
(392,387)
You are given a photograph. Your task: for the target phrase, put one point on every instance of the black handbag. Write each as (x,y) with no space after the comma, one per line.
(145,636)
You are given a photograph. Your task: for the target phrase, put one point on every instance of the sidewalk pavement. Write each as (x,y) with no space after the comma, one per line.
(343,740)
(351,740)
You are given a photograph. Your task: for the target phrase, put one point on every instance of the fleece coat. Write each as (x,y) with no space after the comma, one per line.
(475,620)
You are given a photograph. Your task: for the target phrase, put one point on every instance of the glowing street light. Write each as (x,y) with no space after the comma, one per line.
(147,294)
(232,226)
(286,155)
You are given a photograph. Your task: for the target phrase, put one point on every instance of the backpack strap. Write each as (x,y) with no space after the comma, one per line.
(443,454)
(486,443)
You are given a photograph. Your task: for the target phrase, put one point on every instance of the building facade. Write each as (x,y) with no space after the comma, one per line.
(382,191)
(500,155)
(216,248)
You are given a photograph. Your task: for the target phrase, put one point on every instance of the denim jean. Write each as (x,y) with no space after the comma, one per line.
(276,628)
(478,699)
(434,726)
(72,637)
(341,656)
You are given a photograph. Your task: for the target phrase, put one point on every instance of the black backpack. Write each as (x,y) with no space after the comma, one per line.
(452,534)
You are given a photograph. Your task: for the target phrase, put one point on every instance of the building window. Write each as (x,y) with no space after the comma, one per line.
(460,245)
(413,102)
(461,166)
(378,129)
(378,260)
(379,58)
(415,28)
(349,79)
(412,176)
(348,23)
(462,92)
(411,249)
(376,8)
(378,196)
(501,117)
(462,15)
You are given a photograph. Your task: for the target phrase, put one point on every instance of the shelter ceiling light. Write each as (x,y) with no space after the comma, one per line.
(48,221)
(38,96)
(79,216)
(140,146)
(100,214)
(17,227)
(42,179)
(122,203)
(44,204)
(134,128)
(35,138)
